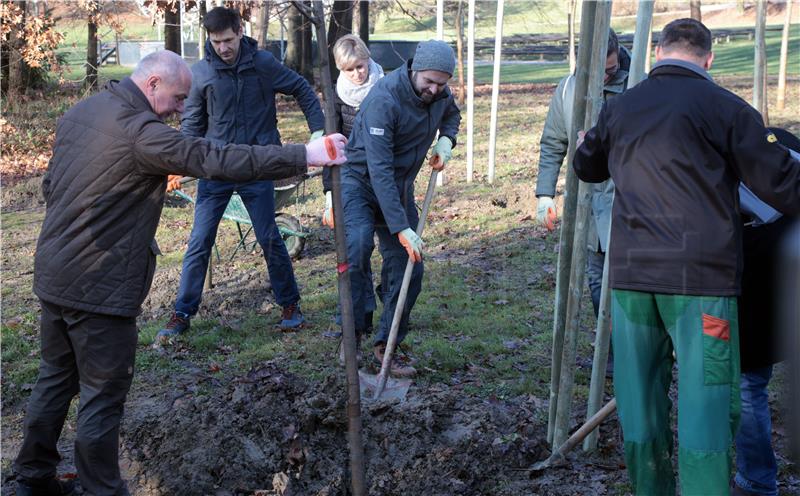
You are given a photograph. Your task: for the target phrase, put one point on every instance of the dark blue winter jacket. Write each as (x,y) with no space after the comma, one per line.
(236,103)
(391,136)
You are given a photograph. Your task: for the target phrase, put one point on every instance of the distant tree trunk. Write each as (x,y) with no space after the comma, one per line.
(760,62)
(781,103)
(307,61)
(17,67)
(91,54)
(462,91)
(571,34)
(172,27)
(341,23)
(294,42)
(201,46)
(694,10)
(363,21)
(263,26)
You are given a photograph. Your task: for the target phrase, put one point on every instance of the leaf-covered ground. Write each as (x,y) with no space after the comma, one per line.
(237,407)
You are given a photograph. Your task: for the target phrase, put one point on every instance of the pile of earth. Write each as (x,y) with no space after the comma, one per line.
(270,432)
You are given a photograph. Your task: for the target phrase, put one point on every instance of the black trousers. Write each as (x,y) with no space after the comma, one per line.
(88,354)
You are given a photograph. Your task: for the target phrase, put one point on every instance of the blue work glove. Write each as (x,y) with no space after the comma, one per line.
(442,151)
(412,243)
(317,134)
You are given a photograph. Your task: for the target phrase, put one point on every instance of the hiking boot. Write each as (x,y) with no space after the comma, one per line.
(291,318)
(358,349)
(177,325)
(398,367)
(44,487)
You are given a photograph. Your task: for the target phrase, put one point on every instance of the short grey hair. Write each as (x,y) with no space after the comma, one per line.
(164,63)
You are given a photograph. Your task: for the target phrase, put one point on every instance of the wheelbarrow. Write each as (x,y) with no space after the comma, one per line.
(292,231)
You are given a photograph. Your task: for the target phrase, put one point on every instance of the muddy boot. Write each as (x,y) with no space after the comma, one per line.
(292,318)
(45,487)
(177,325)
(399,366)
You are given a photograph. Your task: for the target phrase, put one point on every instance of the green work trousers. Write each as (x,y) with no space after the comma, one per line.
(703,332)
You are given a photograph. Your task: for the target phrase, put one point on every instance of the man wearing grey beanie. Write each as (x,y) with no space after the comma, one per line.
(394,128)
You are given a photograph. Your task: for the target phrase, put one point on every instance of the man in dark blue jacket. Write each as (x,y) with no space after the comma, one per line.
(393,130)
(233,101)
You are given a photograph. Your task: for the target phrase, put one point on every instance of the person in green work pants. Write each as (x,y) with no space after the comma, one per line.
(677,146)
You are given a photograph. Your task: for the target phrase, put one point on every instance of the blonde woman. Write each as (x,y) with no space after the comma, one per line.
(358,73)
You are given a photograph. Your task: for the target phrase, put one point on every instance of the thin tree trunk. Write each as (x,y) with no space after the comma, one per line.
(571,34)
(694,10)
(91,54)
(363,21)
(566,241)
(781,103)
(294,42)
(307,62)
(760,61)
(172,27)
(263,25)
(498,57)
(16,64)
(460,51)
(355,442)
(341,23)
(470,89)
(201,46)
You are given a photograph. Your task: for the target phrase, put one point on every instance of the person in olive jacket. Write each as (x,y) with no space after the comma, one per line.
(677,146)
(233,101)
(96,255)
(394,128)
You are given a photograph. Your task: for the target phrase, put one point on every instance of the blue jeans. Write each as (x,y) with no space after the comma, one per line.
(594,276)
(756,469)
(212,199)
(363,219)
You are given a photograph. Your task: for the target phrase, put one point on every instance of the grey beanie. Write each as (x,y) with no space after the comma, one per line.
(434,55)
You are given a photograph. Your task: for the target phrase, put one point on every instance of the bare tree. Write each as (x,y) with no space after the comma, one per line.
(462,91)
(341,23)
(172,26)
(91,52)
(571,34)
(263,27)
(781,103)
(760,62)
(363,21)
(294,42)
(694,10)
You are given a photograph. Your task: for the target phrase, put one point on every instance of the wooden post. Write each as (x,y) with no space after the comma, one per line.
(440,37)
(760,61)
(498,57)
(460,52)
(565,245)
(571,34)
(578,266)
(644,18)
(781,103)
(471,90)
(649,50)
(641,41)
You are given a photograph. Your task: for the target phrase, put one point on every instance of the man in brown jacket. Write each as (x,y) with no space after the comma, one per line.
(95,257)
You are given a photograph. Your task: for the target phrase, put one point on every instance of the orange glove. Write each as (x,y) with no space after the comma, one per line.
(412,243)
(173,182)
(327,216)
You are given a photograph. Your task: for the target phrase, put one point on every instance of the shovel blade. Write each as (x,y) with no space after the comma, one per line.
(395,388)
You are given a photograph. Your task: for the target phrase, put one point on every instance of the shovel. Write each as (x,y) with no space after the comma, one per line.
(558,455)
(382,386)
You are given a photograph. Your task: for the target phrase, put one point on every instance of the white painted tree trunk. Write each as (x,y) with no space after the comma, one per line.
(470,90)
(498,56)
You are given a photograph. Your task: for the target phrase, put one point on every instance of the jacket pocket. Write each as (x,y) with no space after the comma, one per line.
(716,351)
(152,252)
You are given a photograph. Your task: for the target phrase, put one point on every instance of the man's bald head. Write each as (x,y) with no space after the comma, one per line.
(165,80)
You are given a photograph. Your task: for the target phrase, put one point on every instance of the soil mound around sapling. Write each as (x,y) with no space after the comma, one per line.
(278,433)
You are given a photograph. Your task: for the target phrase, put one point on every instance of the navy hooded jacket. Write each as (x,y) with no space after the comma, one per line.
(236,103)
